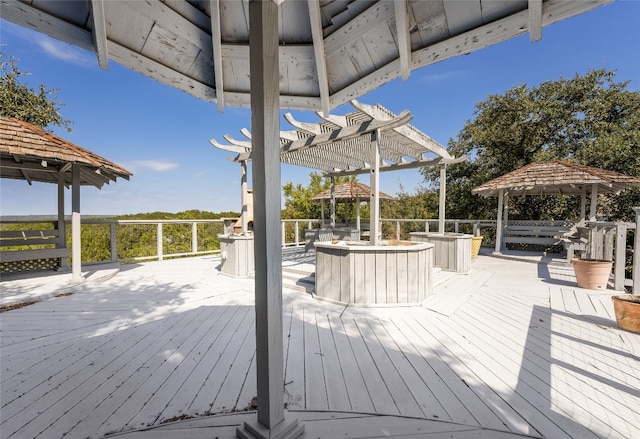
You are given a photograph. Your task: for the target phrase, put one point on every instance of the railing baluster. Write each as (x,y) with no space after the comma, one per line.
(114,242)
(620,259)
(194,238)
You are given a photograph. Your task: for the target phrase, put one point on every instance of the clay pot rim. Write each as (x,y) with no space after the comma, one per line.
(590,260)
(629,298)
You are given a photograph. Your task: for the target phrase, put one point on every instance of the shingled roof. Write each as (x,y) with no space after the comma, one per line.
(556,178)
(30,153)
(350,192)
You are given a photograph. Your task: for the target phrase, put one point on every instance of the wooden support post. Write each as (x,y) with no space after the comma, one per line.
(358,214)
(333,202)
(594,202)
(194,238)
(583,205)
(498,248)
(296,233)
(114,241)
(265,113)
(635,271)
(398,230)
(375,188)
(76,252)
(244,218)
(159,241)
(62,225)
(442,199)
(620,257)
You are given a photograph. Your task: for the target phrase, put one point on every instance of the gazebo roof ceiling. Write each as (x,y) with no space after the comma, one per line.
(556,178)
(341,145)
(351,191)
(30,153)
(330,51)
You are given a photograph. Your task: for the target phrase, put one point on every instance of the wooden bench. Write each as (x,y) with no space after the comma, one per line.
(535,234)
(31,238)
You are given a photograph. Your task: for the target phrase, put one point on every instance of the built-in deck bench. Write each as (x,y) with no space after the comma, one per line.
(34,240)
(547,235)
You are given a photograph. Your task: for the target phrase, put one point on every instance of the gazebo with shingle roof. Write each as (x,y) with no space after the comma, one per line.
(555,178)
(351,192)
(30,153)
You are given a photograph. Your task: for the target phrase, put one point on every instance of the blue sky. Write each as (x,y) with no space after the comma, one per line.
(161,134)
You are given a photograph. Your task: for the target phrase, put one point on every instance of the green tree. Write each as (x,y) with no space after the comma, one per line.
(588,119)
(38,107)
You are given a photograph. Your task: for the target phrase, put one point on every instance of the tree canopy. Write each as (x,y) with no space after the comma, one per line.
(38,107)
(588,119)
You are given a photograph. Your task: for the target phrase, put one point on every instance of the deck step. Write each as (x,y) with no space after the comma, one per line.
(299,280)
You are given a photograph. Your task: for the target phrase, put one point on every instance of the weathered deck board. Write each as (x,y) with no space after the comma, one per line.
(519,350)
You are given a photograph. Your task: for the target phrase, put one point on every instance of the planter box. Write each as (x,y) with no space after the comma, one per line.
(237,254)
(365,275)
(452,251)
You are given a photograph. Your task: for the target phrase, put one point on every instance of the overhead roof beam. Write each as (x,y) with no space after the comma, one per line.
(404,40)
(405,165)
(319,54)
(535,20)
(99,33)
(216,40)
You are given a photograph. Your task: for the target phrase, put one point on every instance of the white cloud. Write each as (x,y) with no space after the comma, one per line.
(201,173)
(65,52)
(154,165)
(444,76)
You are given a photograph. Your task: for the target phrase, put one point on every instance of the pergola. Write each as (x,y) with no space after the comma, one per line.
(370,140)
(315,55)
(32,154)
(554,178)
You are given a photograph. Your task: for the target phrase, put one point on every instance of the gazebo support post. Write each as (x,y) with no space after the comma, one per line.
(498,248)
(243,197)
(442,198)
(265,112)
(594,202)
(62,225)
(333,202)
(76,268)
(583,204)
(358,213)
(322,213)
(375,188)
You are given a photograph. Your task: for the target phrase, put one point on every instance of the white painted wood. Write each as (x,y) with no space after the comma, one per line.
(216,43)
(244,217)
(320,58)
(264,72)
(442,199)
(99,33)
(498,247)
(403,38)
(594,202)
(535,20)
(636,250)
(75,226)
(374,176)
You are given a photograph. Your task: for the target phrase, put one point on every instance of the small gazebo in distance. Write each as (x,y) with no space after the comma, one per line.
(30,153)
(350,192)
(552,178)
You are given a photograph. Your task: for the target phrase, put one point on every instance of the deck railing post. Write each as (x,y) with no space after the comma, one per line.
(297,234)
(114,242)
(620,259)
(426,226)
(194,238)
(398,230)
(636,253)
(283,225)
(159,241)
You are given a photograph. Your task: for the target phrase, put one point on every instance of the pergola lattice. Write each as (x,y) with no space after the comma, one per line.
(370,139)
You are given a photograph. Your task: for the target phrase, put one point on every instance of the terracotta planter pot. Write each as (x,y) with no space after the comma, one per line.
(592,274)
(476,243)
(627,308)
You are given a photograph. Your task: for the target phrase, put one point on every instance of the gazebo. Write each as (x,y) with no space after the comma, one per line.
(351,192)
(32,154)
(553,178)
(304,55)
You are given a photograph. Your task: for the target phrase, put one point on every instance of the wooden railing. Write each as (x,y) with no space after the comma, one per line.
(107,240)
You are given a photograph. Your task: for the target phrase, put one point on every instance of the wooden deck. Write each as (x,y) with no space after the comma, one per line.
(511,348)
